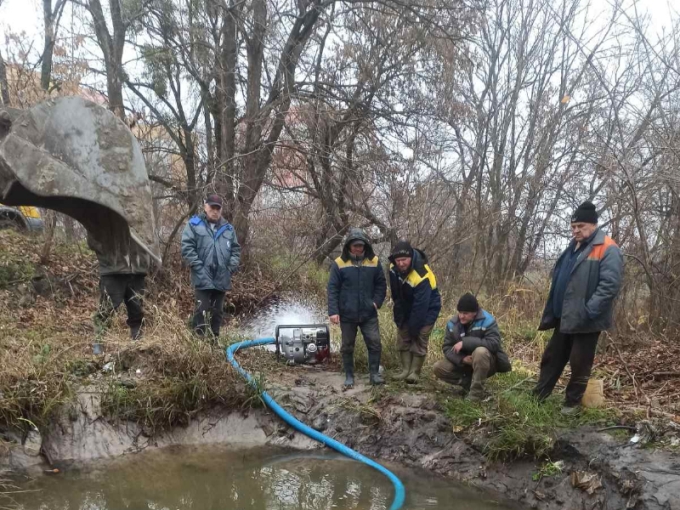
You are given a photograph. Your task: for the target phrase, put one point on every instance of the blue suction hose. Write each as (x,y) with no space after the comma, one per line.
(399,491)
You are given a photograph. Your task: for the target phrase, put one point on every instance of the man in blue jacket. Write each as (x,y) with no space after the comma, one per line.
(356,290)
(472,349)
(417,304)
(211,249)
(586,279)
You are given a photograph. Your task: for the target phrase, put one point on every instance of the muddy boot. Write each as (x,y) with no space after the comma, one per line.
(481,364)
(416,366)
(406,358)
(477,391)
(348,365)
(374,369)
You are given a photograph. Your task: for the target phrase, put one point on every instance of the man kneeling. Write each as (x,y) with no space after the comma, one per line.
(472,349)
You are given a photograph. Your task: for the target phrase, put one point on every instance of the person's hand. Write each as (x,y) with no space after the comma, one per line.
(335,319)
(458,347)
(467,360)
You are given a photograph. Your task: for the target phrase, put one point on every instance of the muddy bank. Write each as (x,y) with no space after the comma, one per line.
(405,428)
(83,434)
(411,429)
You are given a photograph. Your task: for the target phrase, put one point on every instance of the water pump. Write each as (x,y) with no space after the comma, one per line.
(303,343)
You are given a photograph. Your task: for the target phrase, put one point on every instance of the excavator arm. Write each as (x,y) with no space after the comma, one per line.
(76,157)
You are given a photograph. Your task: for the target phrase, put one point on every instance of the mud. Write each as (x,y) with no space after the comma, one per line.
(405,428)
(411,429)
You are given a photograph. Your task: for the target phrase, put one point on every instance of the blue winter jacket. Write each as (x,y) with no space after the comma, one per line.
(417,301)
(483,332)
(593,285)
(212,255)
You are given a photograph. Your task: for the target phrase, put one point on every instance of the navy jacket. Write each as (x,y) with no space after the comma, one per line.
(417,301)
(212,255)
(354,285)
(482,332)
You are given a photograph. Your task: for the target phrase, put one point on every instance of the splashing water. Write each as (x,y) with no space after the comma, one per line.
(288,310)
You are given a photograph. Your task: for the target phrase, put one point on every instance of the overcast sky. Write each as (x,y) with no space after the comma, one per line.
(26,15)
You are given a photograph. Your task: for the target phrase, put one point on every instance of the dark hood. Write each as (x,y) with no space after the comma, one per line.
(356,234)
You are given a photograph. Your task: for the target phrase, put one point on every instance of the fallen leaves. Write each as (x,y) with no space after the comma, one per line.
(586,481)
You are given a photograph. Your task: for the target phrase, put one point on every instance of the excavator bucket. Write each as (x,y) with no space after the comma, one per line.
(76,157)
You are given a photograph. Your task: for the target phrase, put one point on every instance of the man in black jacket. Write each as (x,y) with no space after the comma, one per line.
(472,349)
(417,304)
(356,290)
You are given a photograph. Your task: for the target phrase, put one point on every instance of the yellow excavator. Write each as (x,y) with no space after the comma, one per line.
(23,217)
(75,157)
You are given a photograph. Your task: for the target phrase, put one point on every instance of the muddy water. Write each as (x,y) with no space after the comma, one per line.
(182,478)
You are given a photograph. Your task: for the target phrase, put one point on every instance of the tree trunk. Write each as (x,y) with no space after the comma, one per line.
(4,86)
(48,47)
(50,227)
(112,48)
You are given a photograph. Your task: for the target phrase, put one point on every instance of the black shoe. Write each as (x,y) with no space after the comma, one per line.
(376,379)
(348,366)
(374,369)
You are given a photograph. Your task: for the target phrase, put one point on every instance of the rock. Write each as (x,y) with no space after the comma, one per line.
(32,443)
(26,295)
(320,423)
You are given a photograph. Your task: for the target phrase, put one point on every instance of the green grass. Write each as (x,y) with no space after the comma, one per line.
(13,272)
(516,423)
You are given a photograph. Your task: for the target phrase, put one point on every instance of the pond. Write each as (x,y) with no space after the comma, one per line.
(217,478)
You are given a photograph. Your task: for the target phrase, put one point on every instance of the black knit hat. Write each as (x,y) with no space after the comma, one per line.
(586,213)
(401,249)
(468,303)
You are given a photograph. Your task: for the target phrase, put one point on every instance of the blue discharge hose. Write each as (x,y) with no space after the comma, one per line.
(399,491)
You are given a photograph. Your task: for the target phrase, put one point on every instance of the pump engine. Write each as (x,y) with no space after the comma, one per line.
(303,343)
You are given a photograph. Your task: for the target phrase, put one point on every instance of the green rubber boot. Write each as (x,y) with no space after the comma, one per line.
(406,359)
(416,366)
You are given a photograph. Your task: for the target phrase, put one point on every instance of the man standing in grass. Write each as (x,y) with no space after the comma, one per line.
(472,349)
(356,290)
(211,249)
(585,281)
(123,266)
(417,303)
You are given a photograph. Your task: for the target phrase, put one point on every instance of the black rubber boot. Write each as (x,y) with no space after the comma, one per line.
(374,369)
(348,365)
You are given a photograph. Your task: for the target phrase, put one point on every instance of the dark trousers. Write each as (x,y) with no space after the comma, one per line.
(208,302)
(370,331)
(579,351)
(116,289)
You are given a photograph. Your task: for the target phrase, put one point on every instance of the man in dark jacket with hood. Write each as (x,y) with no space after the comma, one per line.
(472,349)
(123,265)
(356,290)
(417,304)
(586,279)
(211,249)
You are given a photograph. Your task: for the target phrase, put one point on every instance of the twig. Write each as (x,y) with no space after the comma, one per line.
(518,384)
(625,366)
(616,427)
